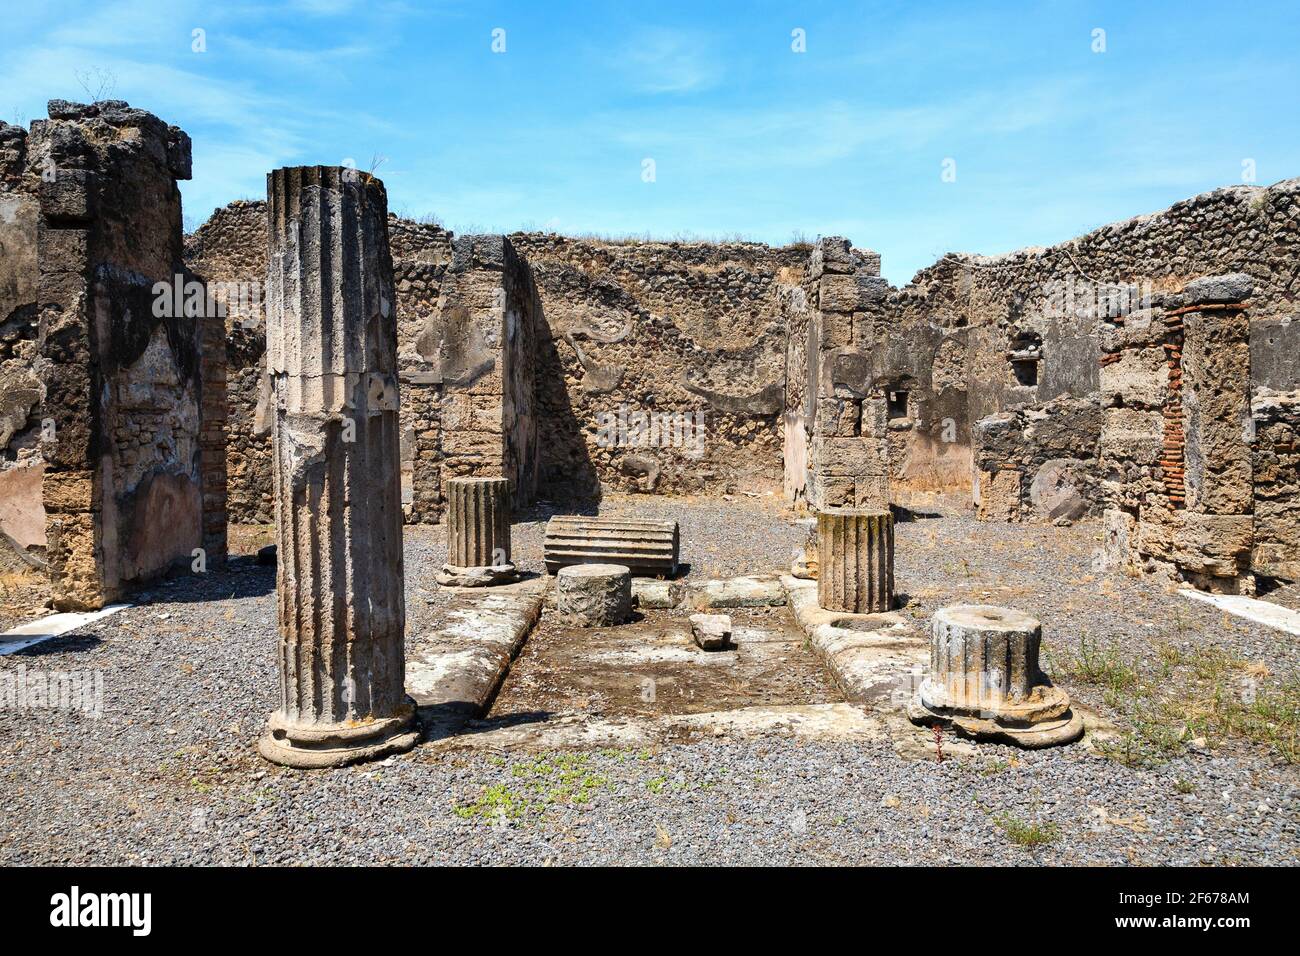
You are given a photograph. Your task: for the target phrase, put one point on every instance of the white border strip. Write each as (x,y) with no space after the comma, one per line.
(1261,612)
(25,635)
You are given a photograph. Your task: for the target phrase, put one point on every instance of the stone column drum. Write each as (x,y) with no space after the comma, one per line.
(855,560)
(985,682)
(332,357)
(593,595)
(478,533)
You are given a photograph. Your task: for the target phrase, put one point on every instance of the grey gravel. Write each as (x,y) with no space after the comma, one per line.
(169,774)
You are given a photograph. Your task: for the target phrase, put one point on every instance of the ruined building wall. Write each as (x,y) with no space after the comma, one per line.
(802,367)
(662,364)
(633,366)
(119,365)
(22,513)
(481,340)
(1023,331)
(421,255)
(799,405)
(1275,462)
(849,460)
(229,252)
(1177,436)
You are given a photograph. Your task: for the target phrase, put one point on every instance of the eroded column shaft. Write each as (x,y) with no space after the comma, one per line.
(855,561)
(331,358)
(984,666)
(478,522)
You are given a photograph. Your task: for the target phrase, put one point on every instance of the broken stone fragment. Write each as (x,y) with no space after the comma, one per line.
(805,557)
(712,632)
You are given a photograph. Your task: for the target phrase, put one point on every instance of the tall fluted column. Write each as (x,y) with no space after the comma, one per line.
(332,358)
(855,560)
(478,533)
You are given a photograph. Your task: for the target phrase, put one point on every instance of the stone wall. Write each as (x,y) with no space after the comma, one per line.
(117,354)
(1056,370)
(718,368)
(662,364)
(849,434)
(655,367)
(22,513)
(1019,335)
(229,251)
(482,342)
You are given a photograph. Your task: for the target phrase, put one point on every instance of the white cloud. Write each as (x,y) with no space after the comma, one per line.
(659,60)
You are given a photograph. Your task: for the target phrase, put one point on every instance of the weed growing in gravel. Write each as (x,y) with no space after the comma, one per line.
(1184,786)
(548,780)
(495,802)
(1024,834)
(1103,667)
(1201,694)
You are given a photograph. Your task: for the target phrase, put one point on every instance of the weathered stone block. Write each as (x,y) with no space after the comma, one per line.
(839,293)
(1132,435)
(838,417)
(829,491)
(593,595)
(1234,287)
(712,632)
(851,457)
(998,495)
(69,197)
(871,493)
(1139,379)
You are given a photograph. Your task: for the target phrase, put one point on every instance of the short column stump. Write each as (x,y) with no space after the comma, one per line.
(985,682)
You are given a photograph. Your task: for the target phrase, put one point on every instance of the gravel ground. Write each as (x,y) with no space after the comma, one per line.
(168,773)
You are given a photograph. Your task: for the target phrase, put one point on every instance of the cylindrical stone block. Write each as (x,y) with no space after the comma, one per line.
(985,681)
(646,548)
(478,522)
(855,560)
(984,657)
(593,595)
(332,362)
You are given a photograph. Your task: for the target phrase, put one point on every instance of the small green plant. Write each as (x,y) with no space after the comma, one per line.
(1103,667)
(543,782)
(495,802)
(1024,834)
(1184,786)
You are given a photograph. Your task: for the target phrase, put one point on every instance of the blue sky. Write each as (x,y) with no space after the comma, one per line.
(748,137)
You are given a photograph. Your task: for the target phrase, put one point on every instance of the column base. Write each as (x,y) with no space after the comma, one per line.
(453,576)
(337,745)
(1045,722)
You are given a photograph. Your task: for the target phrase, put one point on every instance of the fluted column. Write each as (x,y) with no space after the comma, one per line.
(986,683)
(478,533)
(332,357)
(855,570)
